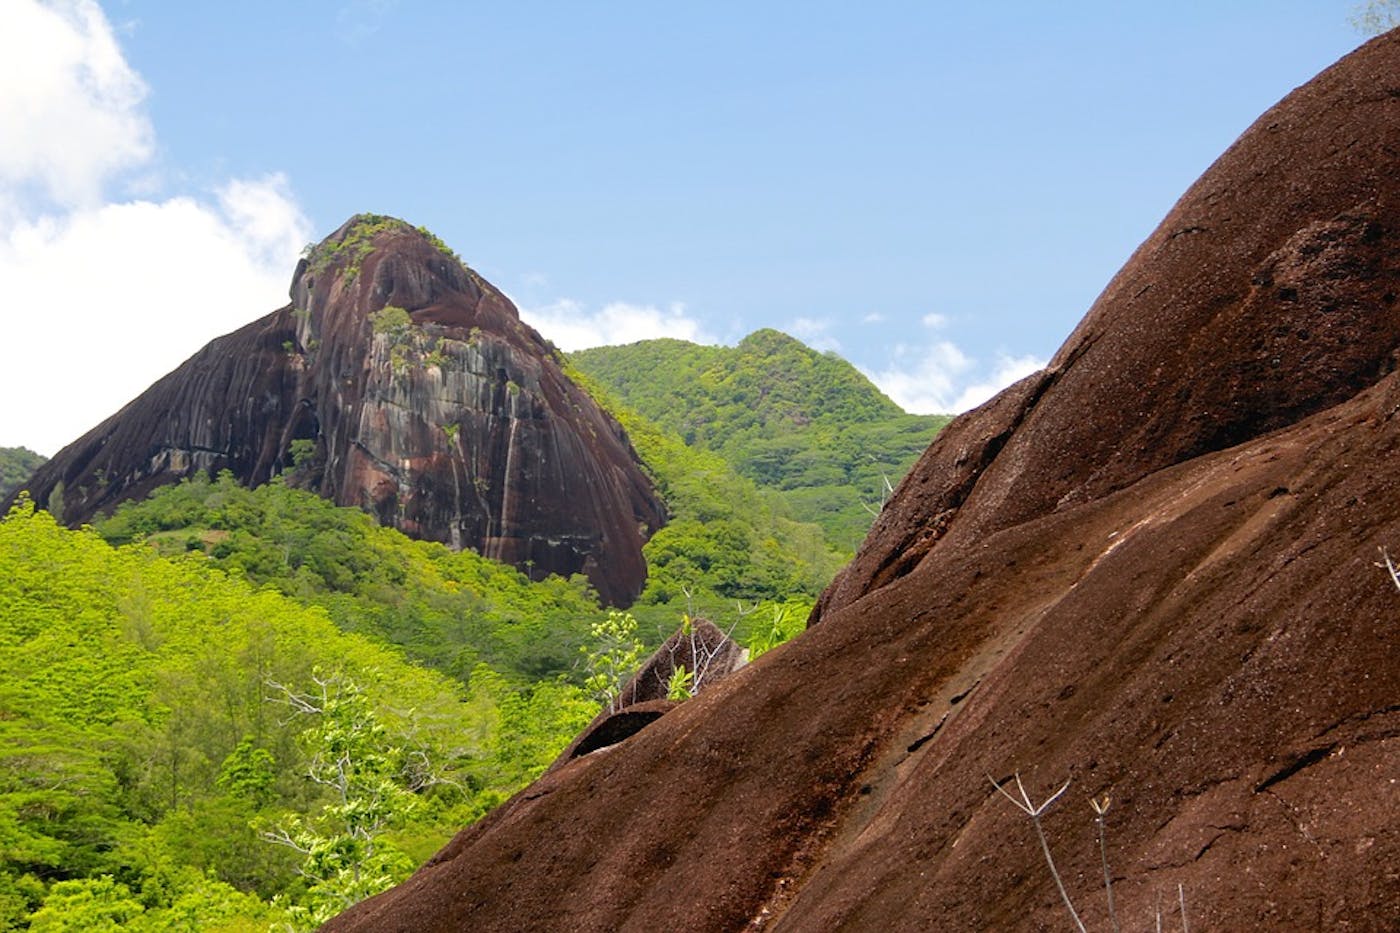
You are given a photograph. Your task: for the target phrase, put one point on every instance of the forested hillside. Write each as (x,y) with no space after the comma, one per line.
(729,551)
(781,414)
(445,609)
(181,749)
(173,694)
(16,463)
(229,708)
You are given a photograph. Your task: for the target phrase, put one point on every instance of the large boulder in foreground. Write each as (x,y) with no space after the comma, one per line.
(399,381)
(1149,570)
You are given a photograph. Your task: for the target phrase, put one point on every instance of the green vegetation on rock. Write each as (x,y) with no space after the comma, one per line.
(358,242)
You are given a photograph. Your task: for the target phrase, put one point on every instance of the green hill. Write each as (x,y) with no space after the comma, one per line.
(16,465)
(181,749)
(806,424)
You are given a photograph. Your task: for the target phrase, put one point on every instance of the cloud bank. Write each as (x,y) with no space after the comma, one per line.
(937,377)
(106,292)
(573,326)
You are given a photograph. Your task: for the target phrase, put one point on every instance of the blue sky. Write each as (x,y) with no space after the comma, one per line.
(936,191)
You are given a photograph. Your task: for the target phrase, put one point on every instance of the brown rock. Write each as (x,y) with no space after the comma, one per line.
(455,425)
(613,726)
(1150,569)
(698,647)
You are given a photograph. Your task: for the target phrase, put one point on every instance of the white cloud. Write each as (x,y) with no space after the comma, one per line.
(104,297)
(815,333)
(571,326)
(1008,369)
(263,215)
(934,321)
(874,317)
(70,107)
(939,378)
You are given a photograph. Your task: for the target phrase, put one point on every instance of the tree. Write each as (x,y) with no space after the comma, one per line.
(613,656)
(371,783)
(16,466)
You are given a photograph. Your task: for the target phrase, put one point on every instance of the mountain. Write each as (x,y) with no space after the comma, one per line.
(806,424)
(399,381)
(1153,570)
(17,464)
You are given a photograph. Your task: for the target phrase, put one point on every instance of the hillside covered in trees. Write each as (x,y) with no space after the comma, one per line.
(178,676)
(783,415)
(16,465)
(181,748)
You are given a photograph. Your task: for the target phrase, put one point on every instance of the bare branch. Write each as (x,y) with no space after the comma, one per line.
(1390,568)
(1028,807)
(1100,809)
(280,837)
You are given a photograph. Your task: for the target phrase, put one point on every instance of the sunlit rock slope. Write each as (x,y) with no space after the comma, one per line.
(1150,570)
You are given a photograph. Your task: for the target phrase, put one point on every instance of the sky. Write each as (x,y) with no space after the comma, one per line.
(935,191)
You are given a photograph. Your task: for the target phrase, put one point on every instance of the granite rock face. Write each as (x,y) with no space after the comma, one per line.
(400,382)
(1151,570)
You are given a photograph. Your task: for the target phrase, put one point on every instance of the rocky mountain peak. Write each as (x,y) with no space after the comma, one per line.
(400,381)
(374,260)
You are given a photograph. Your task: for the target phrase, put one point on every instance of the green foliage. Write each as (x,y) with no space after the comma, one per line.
(85,905)
(681,686)
(301,450)
(612,656)
(444,609)
(17,464)
(358,242)
(391,320)
(396,325)
(729,551)
(805,424)
(439,245)
(139,743)
(775,623)
(373,782)
(352,248)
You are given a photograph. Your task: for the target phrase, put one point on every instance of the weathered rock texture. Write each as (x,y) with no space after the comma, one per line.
(450,419)
(1149,569)
(699,647)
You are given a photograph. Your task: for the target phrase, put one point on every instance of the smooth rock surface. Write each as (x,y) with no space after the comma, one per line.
(1150,569)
